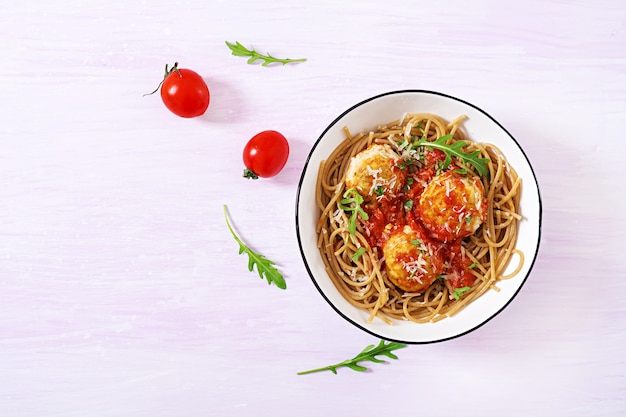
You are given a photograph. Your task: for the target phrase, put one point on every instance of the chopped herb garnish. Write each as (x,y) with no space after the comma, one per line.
(461,171)
(408,205)
(458,292)
(468,219)
(440,167)
(420,127)
(360,252)
(416,242)
(409,182)
(380,190)
(401,165)
(474,265)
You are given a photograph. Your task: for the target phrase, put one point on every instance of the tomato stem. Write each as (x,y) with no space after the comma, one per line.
(248,173)
(174,68)
(167,73)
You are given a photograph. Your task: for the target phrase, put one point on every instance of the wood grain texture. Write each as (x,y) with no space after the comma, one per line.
(121,290)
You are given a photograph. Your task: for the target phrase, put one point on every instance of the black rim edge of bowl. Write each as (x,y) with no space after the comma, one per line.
(304,169)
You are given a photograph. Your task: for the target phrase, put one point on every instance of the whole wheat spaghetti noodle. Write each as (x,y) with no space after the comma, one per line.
(374,235)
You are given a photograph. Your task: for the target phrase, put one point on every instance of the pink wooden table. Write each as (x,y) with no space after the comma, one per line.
(121,290)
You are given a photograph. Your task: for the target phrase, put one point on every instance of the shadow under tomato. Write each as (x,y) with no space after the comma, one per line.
(290,174)
(225,105)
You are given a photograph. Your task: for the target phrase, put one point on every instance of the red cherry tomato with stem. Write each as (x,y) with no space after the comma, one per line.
(265,154)
(184,92)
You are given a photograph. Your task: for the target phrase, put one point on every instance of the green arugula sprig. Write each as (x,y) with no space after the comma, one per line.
(350,197)
(456,149)
(370,353)
(240,50)
(264,266)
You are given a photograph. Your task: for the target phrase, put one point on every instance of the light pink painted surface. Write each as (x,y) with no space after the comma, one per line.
(121,291)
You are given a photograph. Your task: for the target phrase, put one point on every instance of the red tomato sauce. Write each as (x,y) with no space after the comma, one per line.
(389,213)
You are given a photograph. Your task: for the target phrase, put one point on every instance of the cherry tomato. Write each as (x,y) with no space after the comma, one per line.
(184,92)
(265,154)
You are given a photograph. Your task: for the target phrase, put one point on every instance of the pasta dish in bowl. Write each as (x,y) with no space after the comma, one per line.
(418,216)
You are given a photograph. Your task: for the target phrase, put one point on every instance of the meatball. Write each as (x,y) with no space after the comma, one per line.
(373,171)
(411,263)
(452,206)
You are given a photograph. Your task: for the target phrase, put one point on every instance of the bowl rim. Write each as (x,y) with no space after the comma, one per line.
(297,214)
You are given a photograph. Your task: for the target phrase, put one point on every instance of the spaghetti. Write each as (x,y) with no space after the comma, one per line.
(385,243)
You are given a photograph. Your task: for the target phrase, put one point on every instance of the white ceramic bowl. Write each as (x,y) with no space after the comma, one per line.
(385,108)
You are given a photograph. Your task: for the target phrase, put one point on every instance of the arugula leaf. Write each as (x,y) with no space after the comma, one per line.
(352,196)
(264,266)
(240,50)
(458,292)
(456,149)
(359,252)
(367,354)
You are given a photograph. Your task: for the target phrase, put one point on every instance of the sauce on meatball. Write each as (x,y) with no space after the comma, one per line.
(453,206)
(412,262)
